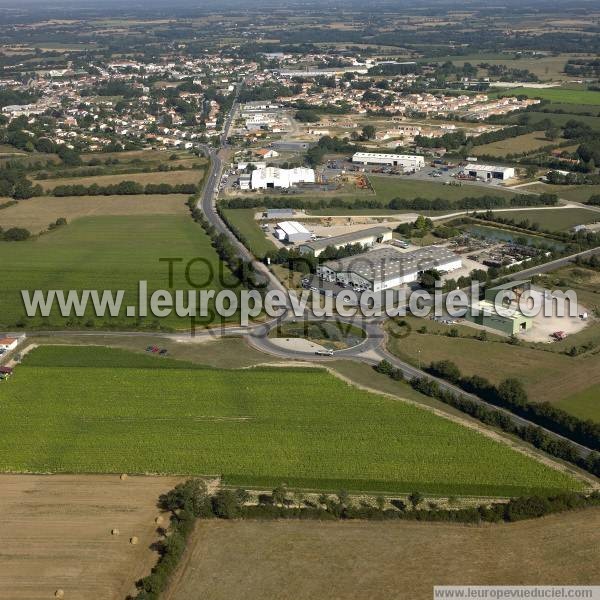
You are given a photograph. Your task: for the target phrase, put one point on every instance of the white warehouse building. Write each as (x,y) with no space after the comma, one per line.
(366,238)
(292,231)
(406,161)
(387,268)
(490,172)
(272,177)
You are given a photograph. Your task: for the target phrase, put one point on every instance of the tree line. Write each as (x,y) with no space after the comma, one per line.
(532,434)
(468,203)
(123,188)
(190,501)
(511,394)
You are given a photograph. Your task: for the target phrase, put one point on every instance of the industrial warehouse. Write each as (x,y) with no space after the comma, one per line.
(409,162)
(366,238)
(272,177)
(292,232)
(387,268)
(485,313)
(487,172)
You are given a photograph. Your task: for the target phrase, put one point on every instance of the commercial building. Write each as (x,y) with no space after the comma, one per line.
(272,177)
(488,172)
(407,161)
(8,343)
(387,268)
(292,232)
(485,312)
(366,237)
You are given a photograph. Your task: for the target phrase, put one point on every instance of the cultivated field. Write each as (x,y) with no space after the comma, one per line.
(36,214)
(291,560)
(57,534)
(89,254)
(256,427)
(521,143)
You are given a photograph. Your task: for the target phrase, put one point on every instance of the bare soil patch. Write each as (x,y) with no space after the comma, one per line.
(56,534)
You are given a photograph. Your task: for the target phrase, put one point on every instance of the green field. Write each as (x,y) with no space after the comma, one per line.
(561,95)
(585,405)
(243,220)
(388,188)
(521,143)
(575,193)
(106,253)
(556,119)
(555,220)
(257,427)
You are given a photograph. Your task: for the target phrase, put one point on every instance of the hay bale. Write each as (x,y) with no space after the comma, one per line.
(134,540)
(123,476)
(114,531)
(159,520)
(59,593)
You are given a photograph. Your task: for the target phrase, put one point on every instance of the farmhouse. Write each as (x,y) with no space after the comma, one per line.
(267,153)
(272,177)
(292,232)
(406,161)
(490,172)
(386,268)
(366,237)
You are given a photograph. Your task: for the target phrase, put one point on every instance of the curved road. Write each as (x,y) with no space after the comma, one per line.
(372,350)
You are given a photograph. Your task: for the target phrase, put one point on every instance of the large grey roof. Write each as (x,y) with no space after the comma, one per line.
(347,238)
(387,263)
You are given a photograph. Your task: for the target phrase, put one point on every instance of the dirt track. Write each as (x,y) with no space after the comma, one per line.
(56,533)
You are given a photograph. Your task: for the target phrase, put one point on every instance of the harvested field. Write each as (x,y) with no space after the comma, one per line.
(57,534)
(36,214)
(373,561)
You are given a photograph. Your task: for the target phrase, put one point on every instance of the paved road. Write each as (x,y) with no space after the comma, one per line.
(371,351)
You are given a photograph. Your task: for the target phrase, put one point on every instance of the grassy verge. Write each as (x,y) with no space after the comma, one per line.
(242,219)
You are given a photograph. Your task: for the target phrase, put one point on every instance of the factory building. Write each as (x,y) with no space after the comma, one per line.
(387,268)
(292,232)
(366,237)
(408,162)
(484,312)
(488,172)
(272,177)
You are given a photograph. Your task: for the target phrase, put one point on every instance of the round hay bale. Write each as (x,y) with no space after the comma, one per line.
(114,531)
(159,520)
(134,540)
(123,476)
(59,593)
